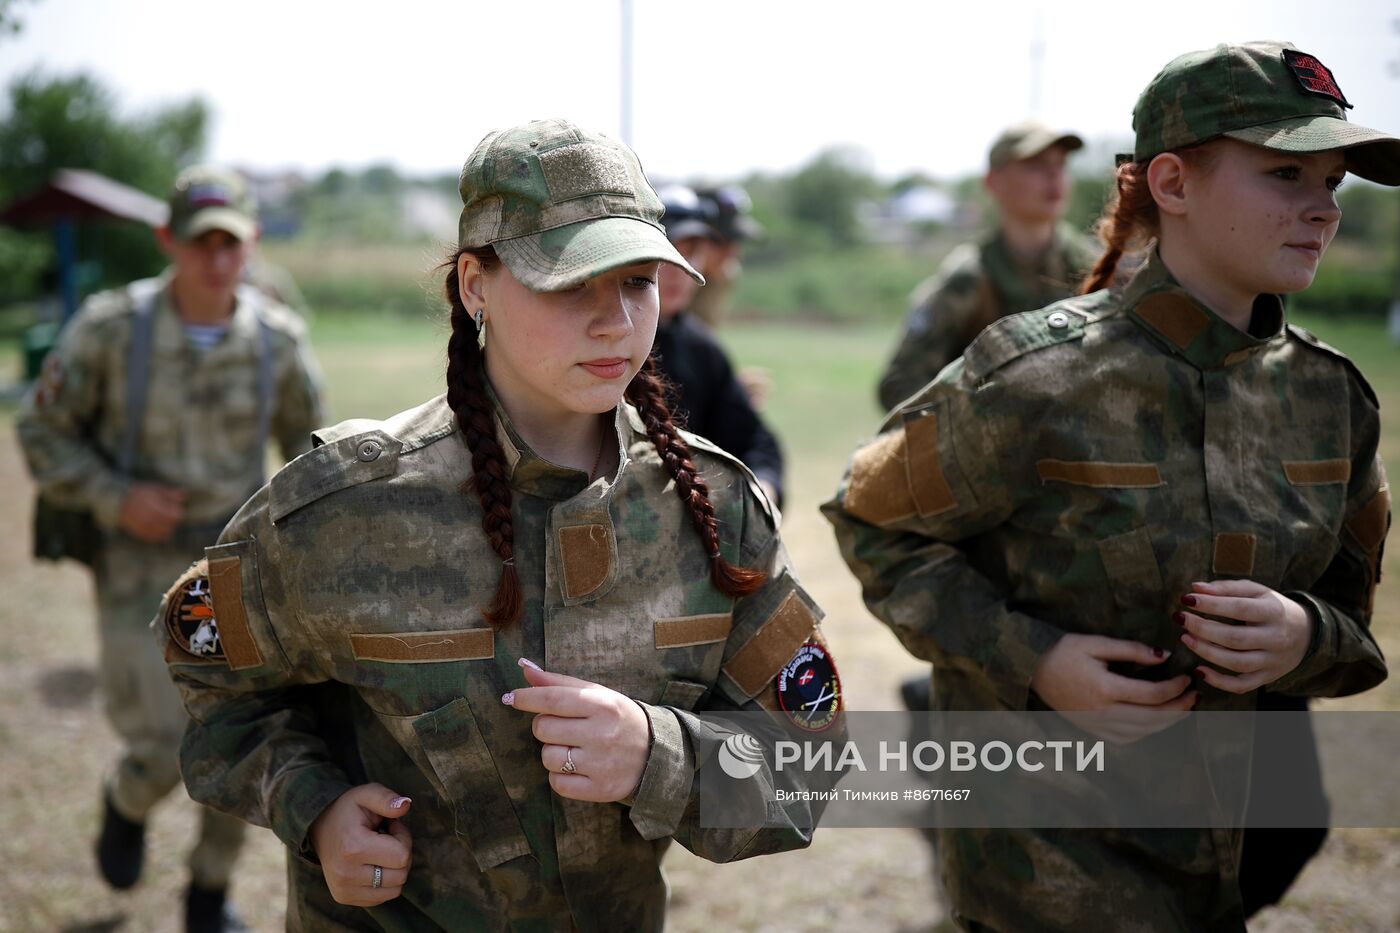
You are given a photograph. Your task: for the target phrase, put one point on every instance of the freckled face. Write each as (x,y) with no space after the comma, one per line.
(572,351)
(1260,220)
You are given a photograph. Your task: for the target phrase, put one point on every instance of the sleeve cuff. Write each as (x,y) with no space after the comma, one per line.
(663,794)
(106,496)
(1021,644)
(302,797)
(1315,660)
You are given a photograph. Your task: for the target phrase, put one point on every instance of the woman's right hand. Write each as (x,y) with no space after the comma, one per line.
(348,842)
(1074,680)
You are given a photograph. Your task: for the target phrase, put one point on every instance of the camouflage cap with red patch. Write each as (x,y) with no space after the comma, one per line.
(207,198)
(1269,94)
(561,205)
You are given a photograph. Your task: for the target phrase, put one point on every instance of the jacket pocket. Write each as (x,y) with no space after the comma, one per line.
(1130,564)
(484,815)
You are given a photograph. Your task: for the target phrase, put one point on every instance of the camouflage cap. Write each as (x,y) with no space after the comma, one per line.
(207,198)
(561,205)
(1028,138)
(1266,93)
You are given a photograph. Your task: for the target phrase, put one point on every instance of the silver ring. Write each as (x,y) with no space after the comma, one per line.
(569,766)
(378,877)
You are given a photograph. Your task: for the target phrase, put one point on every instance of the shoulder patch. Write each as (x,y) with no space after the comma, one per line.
(339,464)
(1306,337)
(1016,335)
(809,689)
(187,612)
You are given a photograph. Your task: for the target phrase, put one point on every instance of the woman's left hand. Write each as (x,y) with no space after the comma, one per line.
(603,734)
(1270,643)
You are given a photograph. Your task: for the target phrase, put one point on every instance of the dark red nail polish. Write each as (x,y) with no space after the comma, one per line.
(1188,600)
(1201,673)
(1179,618)
(1158,652)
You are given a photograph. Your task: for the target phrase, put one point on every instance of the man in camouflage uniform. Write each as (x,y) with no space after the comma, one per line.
(225,368)
(348,598)
(1082,467)
(1030,261)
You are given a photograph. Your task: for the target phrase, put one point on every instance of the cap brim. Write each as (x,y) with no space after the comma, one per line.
(234,223)
(567,256)
(1035,144)
(1369,154)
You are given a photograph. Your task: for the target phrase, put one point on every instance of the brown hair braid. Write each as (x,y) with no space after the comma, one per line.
(648,396)
(469,401)
(1130,221)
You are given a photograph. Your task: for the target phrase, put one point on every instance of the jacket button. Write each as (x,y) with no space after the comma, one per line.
(1058,320)
(369,450)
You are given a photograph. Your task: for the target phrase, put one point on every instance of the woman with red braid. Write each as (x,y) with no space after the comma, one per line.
(454,659)
(1147,499)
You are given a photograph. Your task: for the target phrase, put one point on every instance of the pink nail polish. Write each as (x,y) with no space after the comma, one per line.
(526,662)
(508,698)
(399,802)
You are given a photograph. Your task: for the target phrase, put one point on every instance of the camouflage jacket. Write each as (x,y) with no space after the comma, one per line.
(200,428)
(1076,471)
(347,595)
(977,284)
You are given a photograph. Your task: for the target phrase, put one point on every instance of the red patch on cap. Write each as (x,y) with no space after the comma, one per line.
(1314,77)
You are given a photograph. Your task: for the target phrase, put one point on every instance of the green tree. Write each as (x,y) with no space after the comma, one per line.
(827,191)
(49,123)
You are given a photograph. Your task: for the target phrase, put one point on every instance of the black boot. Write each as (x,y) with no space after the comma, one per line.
(121,848)
(207,911)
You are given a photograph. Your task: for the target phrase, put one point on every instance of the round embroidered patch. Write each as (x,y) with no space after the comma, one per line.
(809,689)
(189,618)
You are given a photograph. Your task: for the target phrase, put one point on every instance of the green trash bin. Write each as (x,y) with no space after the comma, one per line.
(38,340)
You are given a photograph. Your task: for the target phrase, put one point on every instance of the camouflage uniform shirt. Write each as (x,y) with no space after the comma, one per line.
(199,430)
(348,598)
(977,284)
(1076,471)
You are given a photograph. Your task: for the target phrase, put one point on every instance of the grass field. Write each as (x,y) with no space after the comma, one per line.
(54,742)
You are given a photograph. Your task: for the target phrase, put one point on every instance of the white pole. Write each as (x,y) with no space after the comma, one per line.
(1037,60)
(626,83)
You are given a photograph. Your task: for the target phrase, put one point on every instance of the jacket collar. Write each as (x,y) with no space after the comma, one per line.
(1156,302)
(533,475)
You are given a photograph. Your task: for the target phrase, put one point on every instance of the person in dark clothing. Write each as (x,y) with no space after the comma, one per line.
(707,396)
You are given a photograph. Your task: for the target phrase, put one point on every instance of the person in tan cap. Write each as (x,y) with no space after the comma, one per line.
(1030,260)
(149,427)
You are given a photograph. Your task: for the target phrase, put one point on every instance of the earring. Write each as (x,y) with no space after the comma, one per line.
(480,319)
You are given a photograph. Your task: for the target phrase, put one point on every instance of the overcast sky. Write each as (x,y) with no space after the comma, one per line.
(752,85)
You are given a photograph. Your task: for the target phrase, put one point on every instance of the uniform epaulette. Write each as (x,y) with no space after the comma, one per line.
(1306,337)
(1018,334)
(697,442)
(343,459)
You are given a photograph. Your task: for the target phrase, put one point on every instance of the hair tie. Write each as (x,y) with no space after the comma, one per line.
(508,562)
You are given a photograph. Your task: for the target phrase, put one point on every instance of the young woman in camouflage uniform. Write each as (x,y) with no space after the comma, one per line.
(1102,481)
(460,650)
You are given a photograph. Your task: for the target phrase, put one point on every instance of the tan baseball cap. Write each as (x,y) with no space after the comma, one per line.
(1028,138)
(560,205)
